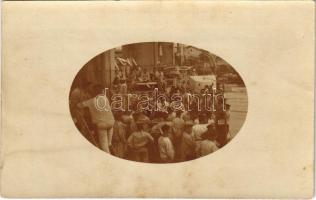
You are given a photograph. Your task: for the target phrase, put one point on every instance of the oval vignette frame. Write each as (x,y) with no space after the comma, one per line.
(158,102)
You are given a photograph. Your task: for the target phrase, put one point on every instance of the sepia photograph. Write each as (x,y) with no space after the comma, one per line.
(158,102)
(158,99)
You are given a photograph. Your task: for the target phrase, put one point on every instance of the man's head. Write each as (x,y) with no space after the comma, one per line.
(178,113)
(178,125)
(118,115)
(211,132)
(165,130)
(203,118)
(141,126)
(142,122)
(97,90)
(188,126)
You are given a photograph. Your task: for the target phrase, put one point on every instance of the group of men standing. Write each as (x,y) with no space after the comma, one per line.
(178,136)
(136,137)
